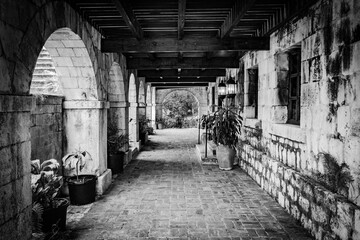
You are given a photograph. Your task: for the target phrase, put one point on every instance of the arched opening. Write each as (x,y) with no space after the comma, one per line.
(118,113)
(180,109)
(67,116)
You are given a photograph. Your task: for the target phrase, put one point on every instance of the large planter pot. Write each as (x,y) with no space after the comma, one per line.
(116,162)
(225,156)
(55,216)
(83,191)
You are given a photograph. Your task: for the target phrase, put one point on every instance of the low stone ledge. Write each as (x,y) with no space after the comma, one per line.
(86,105)
(103,182)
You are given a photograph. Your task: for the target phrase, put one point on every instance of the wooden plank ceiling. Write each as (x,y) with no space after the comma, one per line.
(186,42)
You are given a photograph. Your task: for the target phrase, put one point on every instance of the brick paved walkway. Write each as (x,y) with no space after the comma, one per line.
(167,194)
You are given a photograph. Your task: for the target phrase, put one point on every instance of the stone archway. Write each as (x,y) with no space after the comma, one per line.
(83,113)
(25,38)
(200,95)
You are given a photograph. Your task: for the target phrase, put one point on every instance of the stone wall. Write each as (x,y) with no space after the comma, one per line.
(25,26)
(291,161)
(47,128)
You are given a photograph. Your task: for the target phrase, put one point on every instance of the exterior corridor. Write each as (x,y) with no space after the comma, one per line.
(167,194)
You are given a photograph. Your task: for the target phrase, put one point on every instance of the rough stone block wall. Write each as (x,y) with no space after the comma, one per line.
(25,26)
(325,214)
(15,148)
(47,128)
(287,160)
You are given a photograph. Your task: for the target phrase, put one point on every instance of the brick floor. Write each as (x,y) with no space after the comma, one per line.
(167,194)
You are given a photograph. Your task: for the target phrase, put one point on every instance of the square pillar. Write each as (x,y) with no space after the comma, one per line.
(85,128)
(15,177)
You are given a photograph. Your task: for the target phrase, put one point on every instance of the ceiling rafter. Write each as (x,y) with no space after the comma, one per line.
(128,16)
(166,85)
(181,79)
(181,18)
(185,45)
(189,63)
(183,73)
(237,12)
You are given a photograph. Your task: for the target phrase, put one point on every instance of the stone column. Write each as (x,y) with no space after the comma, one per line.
(133,125)
(142,109)
(158,110)
(119,112)
(153,107)
(85,128)
(149,112)
(15,179)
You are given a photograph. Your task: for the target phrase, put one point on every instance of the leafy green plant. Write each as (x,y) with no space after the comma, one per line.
(76,161)
(207,120)
(45,190)
(337,177)
(226,127)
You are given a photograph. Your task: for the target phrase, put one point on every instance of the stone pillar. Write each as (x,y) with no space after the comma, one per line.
(133,125)
(85,128)
(15,179)
(142,110)
(153,107)
(148,112)
(119,112)
(158,109)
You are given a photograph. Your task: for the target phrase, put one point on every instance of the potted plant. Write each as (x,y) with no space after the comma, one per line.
(226,130)
(159,123)
(143,129)
(48,210)
(82,188)
(115,142)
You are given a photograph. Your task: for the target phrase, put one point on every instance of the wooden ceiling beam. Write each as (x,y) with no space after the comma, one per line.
(186,45)
(183,73)
(128,16)
(181,80)
(181,18)
(189,63)
(237,12)
(165,85)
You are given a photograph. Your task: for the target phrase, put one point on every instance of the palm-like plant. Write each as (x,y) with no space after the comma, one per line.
(226,127)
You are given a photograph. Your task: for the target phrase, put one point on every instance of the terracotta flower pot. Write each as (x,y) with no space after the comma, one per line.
(225,156)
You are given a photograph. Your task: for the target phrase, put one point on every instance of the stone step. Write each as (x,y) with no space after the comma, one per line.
(44,65)
(44,70)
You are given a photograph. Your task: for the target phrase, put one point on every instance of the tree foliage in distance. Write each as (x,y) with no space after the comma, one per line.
(178,107)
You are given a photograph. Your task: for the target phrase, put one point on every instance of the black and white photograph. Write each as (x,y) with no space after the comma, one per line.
(179,120)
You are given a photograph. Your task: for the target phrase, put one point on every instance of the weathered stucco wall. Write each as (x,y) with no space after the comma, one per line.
(289,160)
(47,128)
